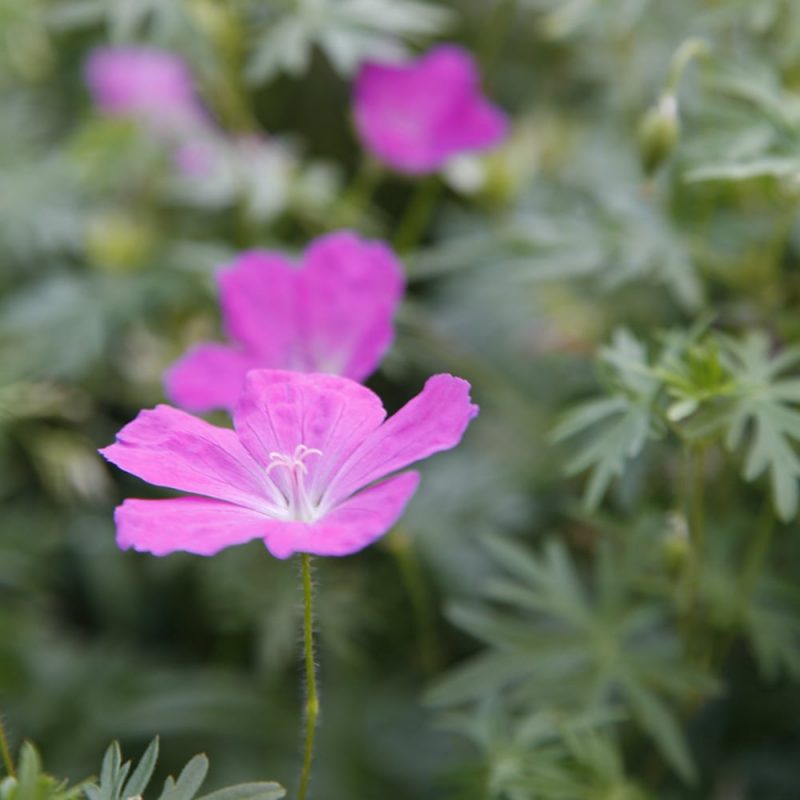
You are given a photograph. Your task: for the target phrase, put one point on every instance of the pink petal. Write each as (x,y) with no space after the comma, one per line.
(170,448)
(432,421)
(348,292)
(154,85)
(280,410)
(349,528)
(416,116)
(259,304)
(209,376)
(188,524)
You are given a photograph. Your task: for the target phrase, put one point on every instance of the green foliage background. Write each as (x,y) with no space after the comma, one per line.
(595,596)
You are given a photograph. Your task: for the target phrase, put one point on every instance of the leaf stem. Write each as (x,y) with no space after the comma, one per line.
(5,752)
(412,226)
(312,698)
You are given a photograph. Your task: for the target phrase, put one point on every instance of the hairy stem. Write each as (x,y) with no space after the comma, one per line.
(312,698)
(5,751)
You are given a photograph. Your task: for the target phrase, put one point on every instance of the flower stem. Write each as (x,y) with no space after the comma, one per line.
(412,226)
(312,698)
(358,194)
(5,752)
(408,564)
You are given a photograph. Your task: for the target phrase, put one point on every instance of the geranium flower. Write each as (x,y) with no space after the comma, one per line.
(144,83)
(416,116)
(332,313)
(309,468)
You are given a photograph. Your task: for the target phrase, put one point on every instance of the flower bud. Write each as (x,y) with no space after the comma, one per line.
(676,548)
(659,130)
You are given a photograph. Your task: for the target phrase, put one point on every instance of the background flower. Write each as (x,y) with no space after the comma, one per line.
(331,313)
(416,116)
(151,85)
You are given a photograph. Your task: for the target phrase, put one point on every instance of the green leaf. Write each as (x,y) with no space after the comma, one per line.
(248,791)
(347,31)
(613,429)
(766,167)
(656,718)
(763,417)
(189,781)
(144,771)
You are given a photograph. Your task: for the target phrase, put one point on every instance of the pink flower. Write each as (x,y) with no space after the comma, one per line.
(415,117)
(332,314)
(309,468)
(154,86)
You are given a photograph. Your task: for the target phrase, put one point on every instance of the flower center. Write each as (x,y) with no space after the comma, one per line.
(299,504)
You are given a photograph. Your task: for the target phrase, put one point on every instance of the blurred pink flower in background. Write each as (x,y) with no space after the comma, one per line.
(414,117)
(309,468)
(333,313)
(150,85)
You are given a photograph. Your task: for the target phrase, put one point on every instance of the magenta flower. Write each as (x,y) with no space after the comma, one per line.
(309,468)
(153,86)
(331,314)
(415,117)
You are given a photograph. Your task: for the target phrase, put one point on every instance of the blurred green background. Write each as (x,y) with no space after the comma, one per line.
(532,258)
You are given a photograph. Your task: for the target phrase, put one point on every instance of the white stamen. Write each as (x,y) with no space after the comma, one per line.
(299,505)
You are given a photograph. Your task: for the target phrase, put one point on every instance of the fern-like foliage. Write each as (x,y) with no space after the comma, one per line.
(616,427)
(552,644)
(115,783)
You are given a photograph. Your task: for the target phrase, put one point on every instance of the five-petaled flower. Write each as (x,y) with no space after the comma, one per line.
(331,314)
(415,117)
(310,466)
(144,83)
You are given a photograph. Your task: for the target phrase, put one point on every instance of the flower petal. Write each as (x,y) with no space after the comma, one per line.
(349,528)
(416,116)
(432,421)
(209,376)
(188,524)
(259,303)
(171,448)
(279,410)
(348,292)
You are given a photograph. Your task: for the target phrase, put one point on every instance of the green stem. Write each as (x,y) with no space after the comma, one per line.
(312,698)
(756,554)
(5,752)
(417,215)
(494,32)
(360,191)
(697,511)
(408,564)
(684,55)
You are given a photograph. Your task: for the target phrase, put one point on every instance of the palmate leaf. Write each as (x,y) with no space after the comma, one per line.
(33,783)
(126,19)
(613,429)
(763,416)
(114,786)
(554,645)
(347,31)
